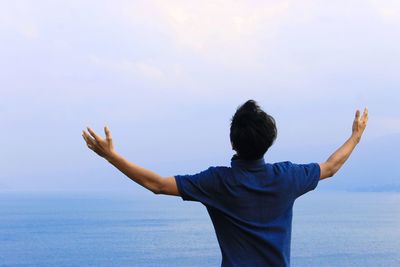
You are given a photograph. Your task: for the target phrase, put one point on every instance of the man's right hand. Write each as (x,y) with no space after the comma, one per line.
(359,124)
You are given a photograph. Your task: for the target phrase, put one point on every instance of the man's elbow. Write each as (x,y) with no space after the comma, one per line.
(156,191)
(161,187)
(158,188)
(330,173)
(327,170)
(167,186)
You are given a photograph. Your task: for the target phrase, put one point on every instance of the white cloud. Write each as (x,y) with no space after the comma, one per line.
(389,10)
(230,33)
(29,30)
(17,16)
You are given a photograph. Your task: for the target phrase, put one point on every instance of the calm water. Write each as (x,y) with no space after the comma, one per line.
(329,229)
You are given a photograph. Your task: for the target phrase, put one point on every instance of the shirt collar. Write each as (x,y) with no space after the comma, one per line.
(236,161)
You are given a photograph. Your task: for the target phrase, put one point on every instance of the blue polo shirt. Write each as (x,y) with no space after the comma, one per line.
(250,205)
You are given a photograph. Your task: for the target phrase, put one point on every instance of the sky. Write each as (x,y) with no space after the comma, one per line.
(167,76)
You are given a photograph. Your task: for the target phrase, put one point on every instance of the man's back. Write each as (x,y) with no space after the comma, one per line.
(250,205)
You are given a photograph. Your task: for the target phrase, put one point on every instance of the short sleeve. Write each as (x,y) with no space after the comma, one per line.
(200,187)
(305,177)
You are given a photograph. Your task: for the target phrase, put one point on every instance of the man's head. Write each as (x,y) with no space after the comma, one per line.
(252,131)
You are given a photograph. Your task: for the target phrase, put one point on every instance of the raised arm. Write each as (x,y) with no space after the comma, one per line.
(339,157)
(146,178)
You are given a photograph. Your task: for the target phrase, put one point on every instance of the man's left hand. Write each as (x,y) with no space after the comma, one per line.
(102,147)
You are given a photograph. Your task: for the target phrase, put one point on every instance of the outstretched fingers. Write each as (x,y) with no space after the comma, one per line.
(93,134)
(108,133)
(365,114)
(364,118)
(356,119)
(357,115)
(89,140)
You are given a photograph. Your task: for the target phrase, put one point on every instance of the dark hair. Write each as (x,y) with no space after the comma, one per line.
(252,131)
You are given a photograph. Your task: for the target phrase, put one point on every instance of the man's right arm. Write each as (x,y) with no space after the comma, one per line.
(339,157)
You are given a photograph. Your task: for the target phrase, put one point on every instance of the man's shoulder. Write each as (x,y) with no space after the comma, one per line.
(282,165)
(219,168)
(220,172)
(210,171)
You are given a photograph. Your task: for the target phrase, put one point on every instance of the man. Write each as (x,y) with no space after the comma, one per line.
(251,202)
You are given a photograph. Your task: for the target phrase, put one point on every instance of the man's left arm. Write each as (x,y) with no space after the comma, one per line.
(146,178)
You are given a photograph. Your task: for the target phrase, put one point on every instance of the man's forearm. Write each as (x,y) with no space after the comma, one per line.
(339,157)
(136,173)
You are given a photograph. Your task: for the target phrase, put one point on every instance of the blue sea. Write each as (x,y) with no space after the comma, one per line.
(71,229)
